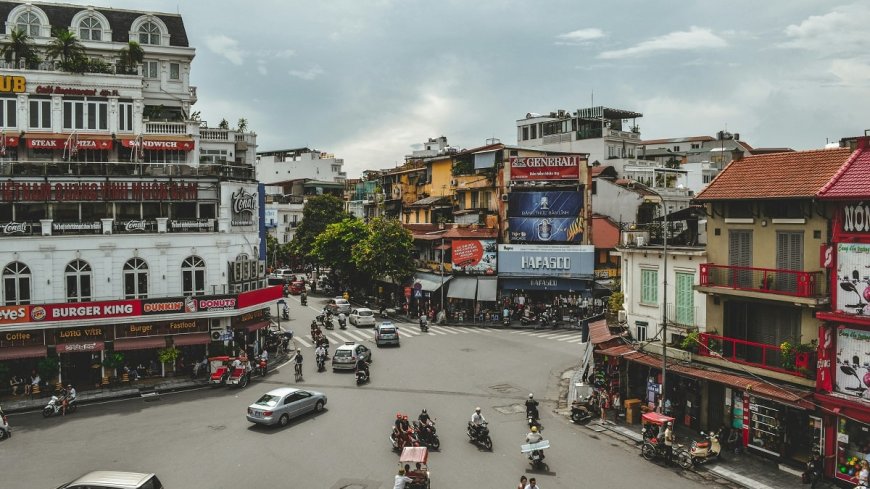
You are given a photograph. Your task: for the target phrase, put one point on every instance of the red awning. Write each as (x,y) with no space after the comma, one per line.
(84,346)
(16,352)
(599,332)
(180,144)
(191,339)
(12,141)
(256,326)
(145,343)
(60,143)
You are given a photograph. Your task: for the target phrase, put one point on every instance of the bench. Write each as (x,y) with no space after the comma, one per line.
(149,393)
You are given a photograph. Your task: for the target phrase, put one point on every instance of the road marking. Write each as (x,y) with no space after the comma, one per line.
(442,330)
(304,343)
(359,335)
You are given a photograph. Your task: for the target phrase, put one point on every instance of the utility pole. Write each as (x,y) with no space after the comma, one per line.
(664,304)
(442,274)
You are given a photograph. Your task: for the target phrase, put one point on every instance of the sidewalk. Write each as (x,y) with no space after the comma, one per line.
(745,469)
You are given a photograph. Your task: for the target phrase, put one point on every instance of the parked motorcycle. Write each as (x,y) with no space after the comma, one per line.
(582,407)
(480,435)
(506,321)
(527,320)
(55,406)
(705,451)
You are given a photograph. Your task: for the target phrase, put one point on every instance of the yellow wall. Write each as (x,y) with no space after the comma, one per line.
(442,173)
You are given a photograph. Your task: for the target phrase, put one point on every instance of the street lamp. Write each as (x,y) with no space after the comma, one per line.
(282,302)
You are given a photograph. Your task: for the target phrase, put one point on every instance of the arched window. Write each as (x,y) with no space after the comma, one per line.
(29,23)
(149,33)
(193,276)
(78,281)
(91,29)
(16,284)
(135,279)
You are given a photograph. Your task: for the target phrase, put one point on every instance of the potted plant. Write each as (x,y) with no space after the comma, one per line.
(168,356)
(113,361)
(48,368)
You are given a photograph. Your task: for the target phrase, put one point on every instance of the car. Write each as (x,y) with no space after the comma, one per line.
(110,479)
(5,430)
(297,287)
(346,356)
(338,305)
(362,317)
(278,406)
(386,333)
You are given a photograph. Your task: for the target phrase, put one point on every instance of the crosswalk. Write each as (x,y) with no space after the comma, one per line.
(340,336)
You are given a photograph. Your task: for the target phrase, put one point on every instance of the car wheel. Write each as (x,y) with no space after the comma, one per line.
(283,420)
(318,407)
(3,434)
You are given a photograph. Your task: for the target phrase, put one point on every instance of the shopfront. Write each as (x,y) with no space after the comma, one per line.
(247,330)
(21,350)
(80,353)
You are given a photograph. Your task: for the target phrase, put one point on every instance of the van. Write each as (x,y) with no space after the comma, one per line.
(110,479)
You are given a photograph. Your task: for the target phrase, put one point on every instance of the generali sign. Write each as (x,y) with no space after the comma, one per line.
(564,167)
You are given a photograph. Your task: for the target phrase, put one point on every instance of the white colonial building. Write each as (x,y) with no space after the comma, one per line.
(298,164)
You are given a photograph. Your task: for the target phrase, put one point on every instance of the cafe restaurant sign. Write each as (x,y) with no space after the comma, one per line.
(12,191)
(244,206)
(856,218)
(13,84)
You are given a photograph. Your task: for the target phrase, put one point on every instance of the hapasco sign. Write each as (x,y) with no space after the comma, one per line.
(562,167)
(569,261)
(13,191)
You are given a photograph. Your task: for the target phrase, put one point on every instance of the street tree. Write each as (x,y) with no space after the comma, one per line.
(320,211)
(334,249)
(386,251)
(276,253)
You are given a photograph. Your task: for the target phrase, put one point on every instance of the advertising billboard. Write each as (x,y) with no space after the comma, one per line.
(545,204)
(568,261)
(474,256)
(853,293)
(534,168)
(853,372)
(547,229)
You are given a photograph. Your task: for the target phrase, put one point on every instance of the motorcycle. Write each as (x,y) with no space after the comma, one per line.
(506,321)
(342,323)
(527,320)
(262,367)
(426,435)
(705,451)
(361,377)
(55,405)
(582,408)
(480,435)
(412,442)
(534,422)
(321,363)
(304,300)
(424,324)
(285,314)
(327,322)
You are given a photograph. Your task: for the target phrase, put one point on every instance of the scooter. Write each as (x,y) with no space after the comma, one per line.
(534,421)
(361,377)
(536,454)
(55,405)
(321,363)
(424,324)
(527,320)
(580,413)
(705,451)
(262,366)
(285,313)
(342,323)
(506,321)
(327,322)
(479,436)
(304,300)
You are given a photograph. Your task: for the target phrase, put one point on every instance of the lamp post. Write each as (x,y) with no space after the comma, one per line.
(664,304)
(442,274)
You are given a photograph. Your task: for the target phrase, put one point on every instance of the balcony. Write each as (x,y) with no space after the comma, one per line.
(799,360)
(167,128)
(795,286)
(682,316)
(124,169)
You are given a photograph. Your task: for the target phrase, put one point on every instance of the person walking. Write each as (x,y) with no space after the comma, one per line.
(523,482)
(669,442)
(533,484)
(602,405)
(814,470)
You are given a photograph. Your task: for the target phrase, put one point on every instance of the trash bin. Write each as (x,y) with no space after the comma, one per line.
(632,411)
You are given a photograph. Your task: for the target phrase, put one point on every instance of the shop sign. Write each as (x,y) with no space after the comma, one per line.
(22,338)
(824,380)
(569,261)
(856,218)
(551,284)
(547,229)
(14,314)
(217,303)
(85,310)
(563,167)
(81,92)
(88,346)
(13,228)
(62,143)
(136,225)
(474,256)
(79,334)
(161,328)
(250,317)
(853,293)
(271,218)
(152,145)
(545,204)
(190,225)
(842,437)
(853,374)
(76,227)
(244,205)
(172,305)
(13,84)
(12,191)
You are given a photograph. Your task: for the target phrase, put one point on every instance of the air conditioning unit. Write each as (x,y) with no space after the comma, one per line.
(453,183)
(504,197)
(640,240)
(216,335)
(622,316)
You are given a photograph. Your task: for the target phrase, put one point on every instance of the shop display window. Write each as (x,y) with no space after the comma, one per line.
(765,426)
(853,446)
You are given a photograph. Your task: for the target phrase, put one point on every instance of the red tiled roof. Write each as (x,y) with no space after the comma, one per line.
(777,175)
(605,233)
(852,181)
(599,332)
(468,232)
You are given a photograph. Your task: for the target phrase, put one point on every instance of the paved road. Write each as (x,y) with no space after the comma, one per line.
(200,439)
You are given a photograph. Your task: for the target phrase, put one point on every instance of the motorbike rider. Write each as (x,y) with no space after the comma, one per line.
(67,397)
(298,361)
(303,297)
(535,437)
(424,418)
(532,407)
(363,365)
(477,420)
(320,352)
(342,319)
(423,320)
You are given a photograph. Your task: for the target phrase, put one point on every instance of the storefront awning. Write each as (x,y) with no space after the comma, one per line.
(444,246)
(17,352)
(487,289)
(599,332)
(256,326)
(463,288)
(84,346)
(161,144)
(124,344)
(59,141)
(191,339)
(431,282)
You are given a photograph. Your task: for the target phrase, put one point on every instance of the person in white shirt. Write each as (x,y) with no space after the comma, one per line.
(533,484)
(401,480)
(477,420)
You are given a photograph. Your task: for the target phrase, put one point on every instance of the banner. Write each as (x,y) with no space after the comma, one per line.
(14,314)
(853,371)
(474,256)
(853,292)
(546,229)
(563,167)
(545,204)
(568,261)
(826,352)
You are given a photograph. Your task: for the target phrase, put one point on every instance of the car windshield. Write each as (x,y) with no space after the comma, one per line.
(365,313)
(267,400)
(343,353)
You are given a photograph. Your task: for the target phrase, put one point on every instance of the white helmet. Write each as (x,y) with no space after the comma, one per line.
(531,396)
(477,409)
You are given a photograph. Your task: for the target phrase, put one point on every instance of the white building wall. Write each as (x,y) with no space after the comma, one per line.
(309,165)
(618,203)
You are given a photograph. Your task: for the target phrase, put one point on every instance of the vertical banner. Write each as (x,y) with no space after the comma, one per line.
(824,376)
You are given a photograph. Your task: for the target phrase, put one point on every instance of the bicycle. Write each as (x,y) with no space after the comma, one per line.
(298,372)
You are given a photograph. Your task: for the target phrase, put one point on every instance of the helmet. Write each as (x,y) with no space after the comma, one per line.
(424,411)
(477,409)
(534,429)
(531,395)
(670,423)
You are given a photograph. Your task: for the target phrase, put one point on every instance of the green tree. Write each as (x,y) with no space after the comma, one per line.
(19,47)
(320,211)
(386,251)
(242,125)
(223,124)
(275,252)
(334,248)
(67,47)
(130,57)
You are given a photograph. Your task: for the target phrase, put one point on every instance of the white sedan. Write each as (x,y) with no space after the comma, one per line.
(362,317)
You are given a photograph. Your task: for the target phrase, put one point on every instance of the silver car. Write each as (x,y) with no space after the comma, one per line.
(362,317)
(386,333)
(346,356)
(338,306)
(279,405)
(111,479)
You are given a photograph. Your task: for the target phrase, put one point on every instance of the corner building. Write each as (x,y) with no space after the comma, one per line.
(125,225)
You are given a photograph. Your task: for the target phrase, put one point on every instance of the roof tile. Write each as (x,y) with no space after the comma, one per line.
(852,181)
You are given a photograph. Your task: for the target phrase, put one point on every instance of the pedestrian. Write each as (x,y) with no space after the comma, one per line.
(533,484)
(602,404)
(863,477)
(401,480)
(669,441)
(814,470)
(523,482)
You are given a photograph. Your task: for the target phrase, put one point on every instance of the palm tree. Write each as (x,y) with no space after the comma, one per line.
(19,47)
(66,46)
(130,57)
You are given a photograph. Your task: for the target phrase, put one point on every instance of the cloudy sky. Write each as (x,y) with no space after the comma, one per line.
(370,79)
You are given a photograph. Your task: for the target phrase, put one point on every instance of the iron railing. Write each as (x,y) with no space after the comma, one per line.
(795,283)
(770,357)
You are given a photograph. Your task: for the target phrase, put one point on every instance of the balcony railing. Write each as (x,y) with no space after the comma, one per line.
(123,168)
(177,128)
(795,283)
(680,315)
(769,357)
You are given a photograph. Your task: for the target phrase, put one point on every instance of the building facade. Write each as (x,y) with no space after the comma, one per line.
(298,164)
